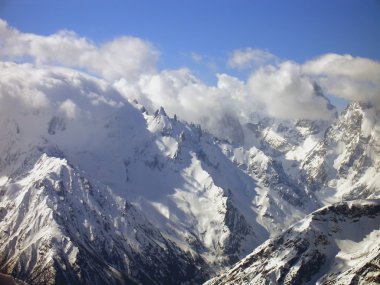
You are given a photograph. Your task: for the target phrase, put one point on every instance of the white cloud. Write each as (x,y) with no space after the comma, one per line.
(248,58)
(181,92)
(352,78)
(33,96)
(69,109)
(197,58)
(16,90)
(215,108)
(344,65)
(285,92)
(124,57)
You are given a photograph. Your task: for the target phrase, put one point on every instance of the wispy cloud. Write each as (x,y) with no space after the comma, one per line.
(196,57)
(249,58)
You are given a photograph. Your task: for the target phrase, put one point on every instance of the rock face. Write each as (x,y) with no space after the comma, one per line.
(95,190)
(334,245)
(345,164)
(326,247)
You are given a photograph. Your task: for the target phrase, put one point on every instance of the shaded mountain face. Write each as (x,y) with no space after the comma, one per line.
(58,227)
(95,190)
(334,245)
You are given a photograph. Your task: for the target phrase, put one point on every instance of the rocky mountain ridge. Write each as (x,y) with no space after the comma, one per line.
(97,190)
(334,245)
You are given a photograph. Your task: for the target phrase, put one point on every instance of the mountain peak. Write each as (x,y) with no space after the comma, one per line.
(160,112)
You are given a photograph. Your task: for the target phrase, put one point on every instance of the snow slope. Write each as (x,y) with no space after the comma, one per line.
(96,190)
(345,164)
(205,210)
(334,245)
(58,226)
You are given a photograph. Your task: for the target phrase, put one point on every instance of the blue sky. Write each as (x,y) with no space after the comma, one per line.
(296,30)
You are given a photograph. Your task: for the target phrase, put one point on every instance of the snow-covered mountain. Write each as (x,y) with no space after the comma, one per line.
(337,244)
(205,210)
(345,164)
(58,227)
(94,189)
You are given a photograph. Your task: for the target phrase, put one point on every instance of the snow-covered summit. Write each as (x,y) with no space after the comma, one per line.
(345,164)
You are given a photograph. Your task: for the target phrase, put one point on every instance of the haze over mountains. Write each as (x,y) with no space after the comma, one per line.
(114,173)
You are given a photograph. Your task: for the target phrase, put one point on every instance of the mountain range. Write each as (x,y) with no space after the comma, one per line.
(96,189)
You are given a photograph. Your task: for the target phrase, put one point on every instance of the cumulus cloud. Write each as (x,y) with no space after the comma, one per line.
(126,57)
(279,91)
(285,92)
(352,78)
(69,109)
(16,90)
(248,58)
(181,92)
(43,101)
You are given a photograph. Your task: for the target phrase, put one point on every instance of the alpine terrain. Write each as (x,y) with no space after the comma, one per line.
(98,189)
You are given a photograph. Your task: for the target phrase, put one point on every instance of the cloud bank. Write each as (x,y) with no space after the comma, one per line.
(345,76)
(127,66)
(40,98)
(285,89)
(124,57)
